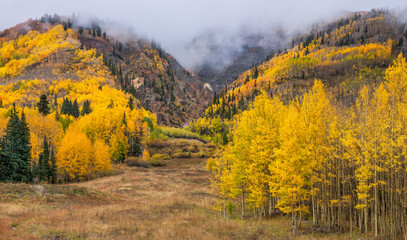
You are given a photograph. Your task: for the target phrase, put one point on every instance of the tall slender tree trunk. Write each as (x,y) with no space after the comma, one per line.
(243,200)
(294,220)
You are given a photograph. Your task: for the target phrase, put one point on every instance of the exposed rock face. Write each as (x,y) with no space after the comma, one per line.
(224,63)
(137,66)
(161,84)
(218,79)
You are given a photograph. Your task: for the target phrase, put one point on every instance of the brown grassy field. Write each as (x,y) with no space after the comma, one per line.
(170,202)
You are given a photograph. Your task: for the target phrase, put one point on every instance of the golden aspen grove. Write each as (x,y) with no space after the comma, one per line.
(314,157)
(84,145)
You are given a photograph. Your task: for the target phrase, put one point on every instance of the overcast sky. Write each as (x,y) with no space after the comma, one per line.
(175,22)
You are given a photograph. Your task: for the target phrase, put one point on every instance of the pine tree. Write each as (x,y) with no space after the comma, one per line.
(75,109)
(16,150)
(43,105)
(131,103)
(124,121)
(66,107)
(52,174)
(86,109)
(43,162)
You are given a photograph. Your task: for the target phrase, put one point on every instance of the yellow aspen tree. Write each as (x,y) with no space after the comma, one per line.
(101,157)
(291,172)
(74,154)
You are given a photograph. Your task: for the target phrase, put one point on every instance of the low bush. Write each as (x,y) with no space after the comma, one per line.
(182,155)
(157,160)
(181,133)
(136,162)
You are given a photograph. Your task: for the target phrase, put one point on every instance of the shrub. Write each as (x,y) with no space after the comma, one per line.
(181,133)
(136,162)
(157,160)
(158,144)
(182,155)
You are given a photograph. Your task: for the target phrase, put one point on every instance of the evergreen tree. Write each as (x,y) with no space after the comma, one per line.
(52,174)
(98,32)
(256,72)
(26,152)
(131,103)
(66,107)
(16,150)
(86,109)
(75,109)
(124,121)
(43,105)
(43,161)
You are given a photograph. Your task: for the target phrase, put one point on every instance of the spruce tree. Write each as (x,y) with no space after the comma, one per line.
(131,103)
(66,107)
(124,121)
(75,109)
(52,174)
(26,153)
(16,150)
(86,109)
(43,161)
(43,105)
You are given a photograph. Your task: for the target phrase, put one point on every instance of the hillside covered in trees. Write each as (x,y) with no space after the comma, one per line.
(76,120)
(340,165)
(345,54)
(329,150)
(136,66)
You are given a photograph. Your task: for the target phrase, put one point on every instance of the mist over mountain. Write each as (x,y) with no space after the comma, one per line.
(178,24)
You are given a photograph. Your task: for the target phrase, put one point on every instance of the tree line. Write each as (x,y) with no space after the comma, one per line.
(316,158)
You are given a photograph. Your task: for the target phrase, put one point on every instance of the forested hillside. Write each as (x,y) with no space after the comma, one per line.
(74,119)
(345,55)
(137,66)
(329,150)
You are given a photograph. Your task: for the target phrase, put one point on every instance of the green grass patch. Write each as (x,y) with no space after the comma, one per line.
(181,133)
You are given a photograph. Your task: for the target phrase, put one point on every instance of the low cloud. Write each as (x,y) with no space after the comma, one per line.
(192,30)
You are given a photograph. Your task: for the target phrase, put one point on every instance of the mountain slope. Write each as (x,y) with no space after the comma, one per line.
(153,76)
(345,55)
(229,58)
(137,66)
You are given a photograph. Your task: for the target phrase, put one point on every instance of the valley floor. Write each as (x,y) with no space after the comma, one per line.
(170,202)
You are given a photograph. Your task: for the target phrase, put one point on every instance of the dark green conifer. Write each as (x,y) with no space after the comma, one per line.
(86,109)
(43,105)
(43,161)
(131,103)
(75,109)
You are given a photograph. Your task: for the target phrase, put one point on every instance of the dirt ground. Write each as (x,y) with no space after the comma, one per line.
(170,202)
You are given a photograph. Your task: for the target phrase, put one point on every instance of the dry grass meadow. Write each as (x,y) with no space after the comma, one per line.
(170,202)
